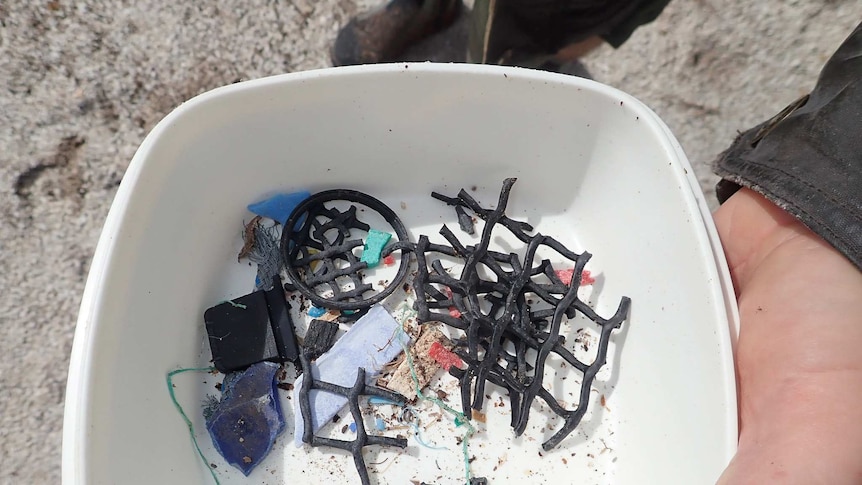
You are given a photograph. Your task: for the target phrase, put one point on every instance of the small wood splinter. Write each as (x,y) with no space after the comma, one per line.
(248,238)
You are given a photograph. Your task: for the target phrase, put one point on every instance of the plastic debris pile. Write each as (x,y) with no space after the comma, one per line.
(496,314)
(503,313)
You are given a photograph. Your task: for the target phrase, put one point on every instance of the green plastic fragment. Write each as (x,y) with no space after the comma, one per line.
(374,244)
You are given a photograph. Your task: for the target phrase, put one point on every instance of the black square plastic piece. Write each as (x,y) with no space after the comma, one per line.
(251,329)
(319,338)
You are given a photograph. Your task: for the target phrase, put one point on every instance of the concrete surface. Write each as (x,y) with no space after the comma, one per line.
(81,84)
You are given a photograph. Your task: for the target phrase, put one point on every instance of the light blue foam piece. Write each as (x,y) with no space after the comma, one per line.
(279,206)
(315,312)
(373,341)
(374,244)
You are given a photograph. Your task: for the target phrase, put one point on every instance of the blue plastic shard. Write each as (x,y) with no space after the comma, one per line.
(246,421)
(278,207)
(315,312)
(374,244)
(373,341)
(382,400)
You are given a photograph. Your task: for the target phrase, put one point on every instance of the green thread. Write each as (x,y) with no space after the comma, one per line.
(458,415)
(442,405)
(170,382)
(236,305)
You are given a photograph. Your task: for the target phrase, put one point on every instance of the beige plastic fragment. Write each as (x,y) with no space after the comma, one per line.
(401,381)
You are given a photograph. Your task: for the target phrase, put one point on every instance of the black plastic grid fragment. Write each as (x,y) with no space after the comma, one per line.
(508,319)
(363,439)
(464,199)
(318,250)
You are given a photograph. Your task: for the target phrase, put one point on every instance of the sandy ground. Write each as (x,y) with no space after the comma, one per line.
(82,83)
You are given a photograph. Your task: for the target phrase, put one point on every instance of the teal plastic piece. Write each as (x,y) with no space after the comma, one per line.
(374,244)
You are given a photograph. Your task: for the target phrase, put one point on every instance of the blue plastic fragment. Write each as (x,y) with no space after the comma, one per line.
(279,207)
(382,400)
(315,312)
(379,424)
(246,421)
(374,244)
(352,427)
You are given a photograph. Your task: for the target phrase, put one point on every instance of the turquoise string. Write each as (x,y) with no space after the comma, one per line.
(170,382)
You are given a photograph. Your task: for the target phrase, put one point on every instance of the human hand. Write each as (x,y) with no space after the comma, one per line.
(799,354)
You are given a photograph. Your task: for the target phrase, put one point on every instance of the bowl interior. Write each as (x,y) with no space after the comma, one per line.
(594,169)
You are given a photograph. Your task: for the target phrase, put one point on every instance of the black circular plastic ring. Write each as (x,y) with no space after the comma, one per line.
(290,246)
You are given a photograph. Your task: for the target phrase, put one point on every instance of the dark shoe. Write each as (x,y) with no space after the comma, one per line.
(572,68)
(385,32)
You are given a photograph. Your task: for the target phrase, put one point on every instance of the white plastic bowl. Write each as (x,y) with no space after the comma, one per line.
(595,167)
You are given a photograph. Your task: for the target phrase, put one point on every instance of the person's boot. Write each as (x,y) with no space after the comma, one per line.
(382,34)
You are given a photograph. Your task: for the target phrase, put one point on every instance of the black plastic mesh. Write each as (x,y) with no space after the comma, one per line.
(363,439)
(504,340)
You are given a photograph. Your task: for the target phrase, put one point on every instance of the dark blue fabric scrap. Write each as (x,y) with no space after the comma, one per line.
(246,421)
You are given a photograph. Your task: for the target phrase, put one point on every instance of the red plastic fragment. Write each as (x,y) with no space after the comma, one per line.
(565,275)
(453,311)
(389,260)
(445,357)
